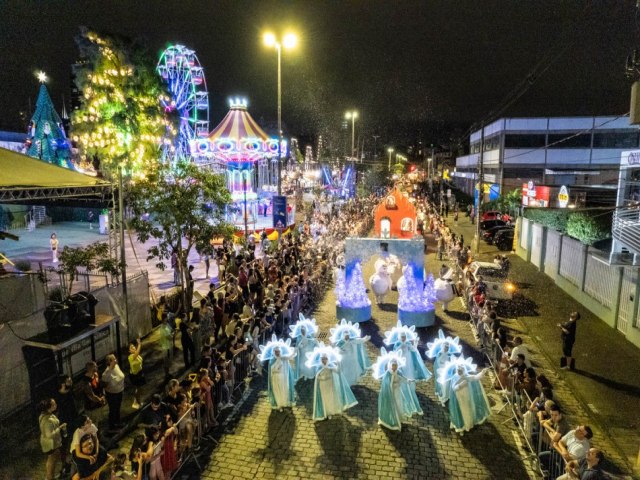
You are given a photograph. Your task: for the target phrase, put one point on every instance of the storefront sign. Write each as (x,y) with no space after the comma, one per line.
(630,158)
(563,197)
(534,196)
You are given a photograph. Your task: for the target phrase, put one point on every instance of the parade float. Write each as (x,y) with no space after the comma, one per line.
(395,216)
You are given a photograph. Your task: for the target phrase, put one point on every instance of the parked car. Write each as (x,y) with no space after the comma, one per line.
(487,224)
(504,239)
(488,235)
(498,287)
(495,215)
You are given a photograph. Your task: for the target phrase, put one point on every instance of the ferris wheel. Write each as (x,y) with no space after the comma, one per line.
(180,69)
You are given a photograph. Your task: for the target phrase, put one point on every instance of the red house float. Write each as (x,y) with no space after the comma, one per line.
(395,216)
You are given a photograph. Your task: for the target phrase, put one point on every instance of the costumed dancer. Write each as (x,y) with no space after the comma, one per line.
(332,394)
(468,404)
(442,350)
(304,332)
(397,401)
(280,378)
(404,339)
(355,361)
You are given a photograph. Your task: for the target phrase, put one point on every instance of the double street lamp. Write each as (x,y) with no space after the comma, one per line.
(288,41)
(352,115)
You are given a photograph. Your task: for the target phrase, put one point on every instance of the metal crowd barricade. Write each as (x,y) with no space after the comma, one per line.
(188,438)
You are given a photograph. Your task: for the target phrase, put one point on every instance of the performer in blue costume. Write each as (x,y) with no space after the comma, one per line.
(280,382)
(405,340)
(304,332)
(332,394)
(442,350)
(468,404)
(355,361)
(397,401)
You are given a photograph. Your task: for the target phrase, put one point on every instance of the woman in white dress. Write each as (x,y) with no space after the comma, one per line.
(355,360)
(468,402)
(304,333)
(280,385)
(331,393)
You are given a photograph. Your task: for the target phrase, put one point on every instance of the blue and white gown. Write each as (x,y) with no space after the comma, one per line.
(468,404)
(397,401)
(304,345)
(414,368)
(442,390)
(332,394)
(355,360)
(281,383)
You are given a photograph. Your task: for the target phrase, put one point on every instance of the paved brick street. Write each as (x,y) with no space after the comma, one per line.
(261,443)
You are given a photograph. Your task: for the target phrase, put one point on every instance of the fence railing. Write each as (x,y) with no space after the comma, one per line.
(515,398)
(626,227)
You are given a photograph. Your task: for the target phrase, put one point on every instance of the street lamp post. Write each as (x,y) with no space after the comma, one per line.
(375,144)
(352,115)
(288,41)
(390,150)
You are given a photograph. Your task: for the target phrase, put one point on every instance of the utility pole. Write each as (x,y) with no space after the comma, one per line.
(480,187)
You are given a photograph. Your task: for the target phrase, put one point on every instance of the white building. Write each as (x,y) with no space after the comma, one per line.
(582,152)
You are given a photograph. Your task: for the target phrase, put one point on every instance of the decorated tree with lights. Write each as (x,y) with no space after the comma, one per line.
(120,120)
(429,298)
(46,137)
(180,209)
(354,292)
(412,297)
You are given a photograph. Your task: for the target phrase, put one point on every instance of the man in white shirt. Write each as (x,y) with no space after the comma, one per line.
(520,348)
(575,444)
(113,380)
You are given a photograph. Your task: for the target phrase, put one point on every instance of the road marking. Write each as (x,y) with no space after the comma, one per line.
(593,408)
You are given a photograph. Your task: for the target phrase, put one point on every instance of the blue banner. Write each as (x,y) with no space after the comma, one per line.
(279,211)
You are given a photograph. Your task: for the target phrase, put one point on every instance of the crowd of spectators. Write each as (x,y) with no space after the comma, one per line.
(261,286)
(563,452)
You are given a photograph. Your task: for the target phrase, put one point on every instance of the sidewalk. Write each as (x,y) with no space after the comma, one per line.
(604,391)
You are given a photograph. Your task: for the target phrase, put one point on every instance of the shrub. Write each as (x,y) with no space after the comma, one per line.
(588,228)
(552,218)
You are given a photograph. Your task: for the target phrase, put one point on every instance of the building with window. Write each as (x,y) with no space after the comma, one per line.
(579,152)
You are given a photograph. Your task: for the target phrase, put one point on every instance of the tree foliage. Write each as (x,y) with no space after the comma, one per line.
(509,202)
(120,119)
(372,179)
(93,257)
(180,209)
(588,228)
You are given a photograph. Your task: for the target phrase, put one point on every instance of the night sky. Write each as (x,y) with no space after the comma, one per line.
(414,69)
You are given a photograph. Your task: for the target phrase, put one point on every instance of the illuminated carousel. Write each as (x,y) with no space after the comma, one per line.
(248,156)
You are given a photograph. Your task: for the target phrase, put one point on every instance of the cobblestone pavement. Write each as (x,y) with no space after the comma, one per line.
(261,443)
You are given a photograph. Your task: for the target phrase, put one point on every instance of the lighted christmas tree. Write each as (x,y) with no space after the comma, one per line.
(354,292)
(413,297)
(429,294)
(46,137)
